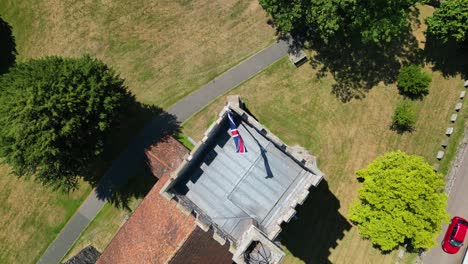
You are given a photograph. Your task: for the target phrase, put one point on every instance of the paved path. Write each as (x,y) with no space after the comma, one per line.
(132,158)
(457,205)
(193,103)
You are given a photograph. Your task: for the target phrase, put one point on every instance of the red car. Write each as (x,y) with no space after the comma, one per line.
(455,235)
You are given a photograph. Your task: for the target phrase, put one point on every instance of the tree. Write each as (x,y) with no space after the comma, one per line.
(376,21)
(381,21)
(402,200)
(413,82)
(54,116)
(404,117)
(450,21)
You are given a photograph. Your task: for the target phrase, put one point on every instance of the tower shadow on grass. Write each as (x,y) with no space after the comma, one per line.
(7,47)
(318,227)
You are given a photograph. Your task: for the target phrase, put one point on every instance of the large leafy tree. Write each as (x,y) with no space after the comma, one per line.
(54,116)
(378,21)
(450,21)
(402,200)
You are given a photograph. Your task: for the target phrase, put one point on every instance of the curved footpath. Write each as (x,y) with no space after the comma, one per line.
(132,158)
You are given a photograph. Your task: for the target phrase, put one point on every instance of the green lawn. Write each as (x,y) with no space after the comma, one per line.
(164,50)
(301,108)
(31,216)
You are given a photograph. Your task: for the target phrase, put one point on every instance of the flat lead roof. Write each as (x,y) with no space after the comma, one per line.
(233,188)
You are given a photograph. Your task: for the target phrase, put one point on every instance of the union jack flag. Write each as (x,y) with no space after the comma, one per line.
(240,147)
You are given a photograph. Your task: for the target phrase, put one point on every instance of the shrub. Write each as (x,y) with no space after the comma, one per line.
(413,82)
(404,117)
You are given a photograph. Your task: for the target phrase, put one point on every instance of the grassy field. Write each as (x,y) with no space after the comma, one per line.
(164,50)
(301,109)
(31,216)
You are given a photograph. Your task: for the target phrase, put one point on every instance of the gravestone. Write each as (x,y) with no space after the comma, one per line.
(449,131)
(440,154)
(444,143)
(453,118)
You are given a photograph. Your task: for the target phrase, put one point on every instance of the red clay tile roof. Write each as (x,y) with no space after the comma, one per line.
(156,228)
(165,156)
(153,234)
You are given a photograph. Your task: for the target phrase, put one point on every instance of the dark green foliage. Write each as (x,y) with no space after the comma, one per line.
(286,14)
(54,116)
(450,21)
(376,21)
(404,117)
(413,82)
(402,200)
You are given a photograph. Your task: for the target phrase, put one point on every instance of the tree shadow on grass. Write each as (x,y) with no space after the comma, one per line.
(357,66)
(137,186)
(449,58)
(121,173)
(318,227)
(7,47)
(414,97)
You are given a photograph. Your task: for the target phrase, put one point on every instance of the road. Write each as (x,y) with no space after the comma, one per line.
(457,206)
(132,158)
